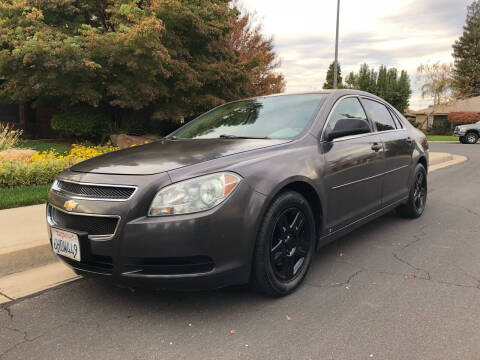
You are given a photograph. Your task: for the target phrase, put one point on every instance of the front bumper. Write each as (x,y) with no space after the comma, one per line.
(458,132)
(196,251)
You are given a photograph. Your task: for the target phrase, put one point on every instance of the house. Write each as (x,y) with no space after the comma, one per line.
(438,117)
(35,122)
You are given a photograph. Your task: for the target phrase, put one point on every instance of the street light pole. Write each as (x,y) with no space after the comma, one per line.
(335,67)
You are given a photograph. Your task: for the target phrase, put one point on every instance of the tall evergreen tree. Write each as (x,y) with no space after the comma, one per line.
(466,53)
(404,90)
(351,81)
(382,82)
(385,83)
(329,80)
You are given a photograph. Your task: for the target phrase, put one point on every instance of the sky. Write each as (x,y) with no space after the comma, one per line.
(396,33)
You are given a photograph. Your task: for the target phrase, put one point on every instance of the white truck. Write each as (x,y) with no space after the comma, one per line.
(468,134)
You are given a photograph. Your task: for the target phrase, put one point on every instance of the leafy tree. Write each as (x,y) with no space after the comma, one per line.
(436,84)
(258,55)
(351,81)
(404,91)
(329,79)
(180,57)
(385,83)
(466,54)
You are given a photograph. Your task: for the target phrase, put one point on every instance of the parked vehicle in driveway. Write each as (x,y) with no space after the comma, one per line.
(243,194)
(468,134)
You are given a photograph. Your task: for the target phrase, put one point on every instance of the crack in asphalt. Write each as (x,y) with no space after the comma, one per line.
(26,338)
(396,256)
(9,312)
(338,284)
(23,341)
(469,210)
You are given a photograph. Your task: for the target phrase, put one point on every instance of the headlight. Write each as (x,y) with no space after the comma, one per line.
(194,195)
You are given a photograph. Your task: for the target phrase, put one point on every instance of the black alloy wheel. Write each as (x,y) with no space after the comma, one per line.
(417,199)
(290,243)
(285,245)
(420,191)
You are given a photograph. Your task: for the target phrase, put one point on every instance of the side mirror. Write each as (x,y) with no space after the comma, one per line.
(347,127)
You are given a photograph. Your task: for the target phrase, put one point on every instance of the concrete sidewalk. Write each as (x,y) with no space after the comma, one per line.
(26,258)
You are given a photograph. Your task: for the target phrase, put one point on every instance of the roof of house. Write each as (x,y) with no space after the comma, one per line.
(470,104)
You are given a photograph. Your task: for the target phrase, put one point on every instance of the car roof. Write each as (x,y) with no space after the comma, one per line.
(331,92)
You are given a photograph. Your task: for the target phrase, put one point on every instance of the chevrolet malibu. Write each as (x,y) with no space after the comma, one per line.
(245,193)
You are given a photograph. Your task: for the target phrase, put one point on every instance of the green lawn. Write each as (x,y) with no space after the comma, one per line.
(442,138)
(22,196)
(40,146)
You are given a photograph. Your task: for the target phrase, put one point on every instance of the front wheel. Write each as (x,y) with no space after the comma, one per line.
(285,245)
(417,198)
(462,140)
(471,138)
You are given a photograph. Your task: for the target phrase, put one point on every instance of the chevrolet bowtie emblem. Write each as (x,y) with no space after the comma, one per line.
(70,205)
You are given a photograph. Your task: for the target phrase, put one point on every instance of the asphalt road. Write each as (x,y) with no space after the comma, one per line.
(394,289)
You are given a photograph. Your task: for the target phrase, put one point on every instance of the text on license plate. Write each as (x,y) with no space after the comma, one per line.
(66,244)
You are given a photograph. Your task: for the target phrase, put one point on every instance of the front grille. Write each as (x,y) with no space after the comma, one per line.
(95,191)
(93,225)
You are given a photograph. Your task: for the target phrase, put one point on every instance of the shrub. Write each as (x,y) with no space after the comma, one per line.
(462,118)
(84,123)
(8,136)
(42,168)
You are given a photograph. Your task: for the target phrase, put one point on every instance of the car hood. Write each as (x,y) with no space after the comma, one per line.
(166,155)
(469,126)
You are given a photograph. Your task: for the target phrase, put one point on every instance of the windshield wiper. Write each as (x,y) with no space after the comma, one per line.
(241,137)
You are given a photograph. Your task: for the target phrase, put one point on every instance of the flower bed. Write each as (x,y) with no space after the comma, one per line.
(41,168)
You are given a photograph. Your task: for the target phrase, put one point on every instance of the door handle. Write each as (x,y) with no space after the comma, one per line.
(377,147)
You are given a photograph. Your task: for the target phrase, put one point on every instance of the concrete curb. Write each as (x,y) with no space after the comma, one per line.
(25,256)
(32,281)
(438,158)
(456,159)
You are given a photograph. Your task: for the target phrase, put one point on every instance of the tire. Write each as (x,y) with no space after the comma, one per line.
(471,138)
(417,199)
(285,245)
(462,140)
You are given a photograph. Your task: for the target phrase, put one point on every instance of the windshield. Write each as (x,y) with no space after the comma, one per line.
(278,117)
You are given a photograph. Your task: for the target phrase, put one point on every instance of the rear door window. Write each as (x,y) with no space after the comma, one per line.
(396,119)
(379,114)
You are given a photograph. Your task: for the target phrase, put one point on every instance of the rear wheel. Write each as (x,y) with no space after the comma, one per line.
(285,245)
(417,198)
(471,138)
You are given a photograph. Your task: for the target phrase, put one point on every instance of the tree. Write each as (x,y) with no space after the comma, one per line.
(329,79)
(181,57)
(466,54)
(257,53)
(385,83)
(436,83)
(351,80)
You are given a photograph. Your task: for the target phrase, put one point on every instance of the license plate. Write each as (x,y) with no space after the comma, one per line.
(66,244)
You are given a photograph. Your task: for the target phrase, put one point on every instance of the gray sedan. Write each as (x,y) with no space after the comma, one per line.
(245,193)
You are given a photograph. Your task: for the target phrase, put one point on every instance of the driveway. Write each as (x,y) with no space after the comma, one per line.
(394,289)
